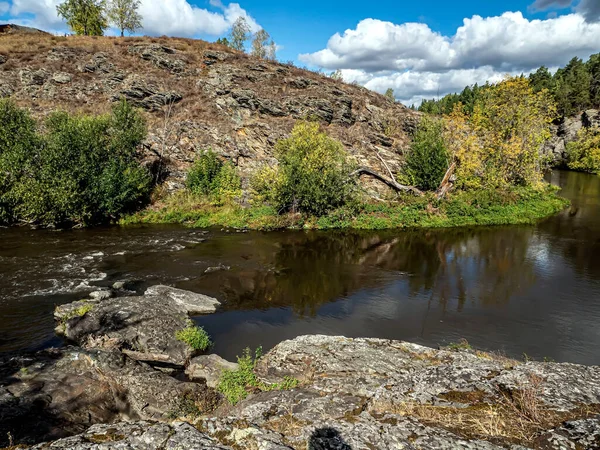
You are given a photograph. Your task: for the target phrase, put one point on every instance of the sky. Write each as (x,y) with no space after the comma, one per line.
(421,49)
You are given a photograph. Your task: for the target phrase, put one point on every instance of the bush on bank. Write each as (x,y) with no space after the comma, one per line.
(81,171)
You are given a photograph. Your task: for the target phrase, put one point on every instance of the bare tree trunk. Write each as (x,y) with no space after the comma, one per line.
(446,184)
(388,182)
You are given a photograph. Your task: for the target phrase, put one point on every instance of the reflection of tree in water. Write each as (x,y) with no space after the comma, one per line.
(307,270)
(578,228)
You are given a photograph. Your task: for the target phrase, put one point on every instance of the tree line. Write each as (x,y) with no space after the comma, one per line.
(92,17)
(262,45)
(575,87)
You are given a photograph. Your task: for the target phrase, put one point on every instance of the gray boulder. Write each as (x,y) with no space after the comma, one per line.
(142,327)
(208,368)
(137,436)
(59,392)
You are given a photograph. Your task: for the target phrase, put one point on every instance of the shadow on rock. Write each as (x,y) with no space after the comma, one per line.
(327,439)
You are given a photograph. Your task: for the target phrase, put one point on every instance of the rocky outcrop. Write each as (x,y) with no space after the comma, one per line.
(369,394)
(61,392)
(138,435)
(208,369)
(566,132)
(143,327)
(198,95)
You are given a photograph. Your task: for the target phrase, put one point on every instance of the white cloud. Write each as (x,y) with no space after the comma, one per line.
(4,7)
(163,17)
(418,62)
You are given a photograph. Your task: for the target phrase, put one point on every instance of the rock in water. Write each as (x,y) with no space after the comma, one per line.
(143,327)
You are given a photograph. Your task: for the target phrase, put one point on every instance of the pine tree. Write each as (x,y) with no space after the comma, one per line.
(593,67)
(124,15)
(390,94)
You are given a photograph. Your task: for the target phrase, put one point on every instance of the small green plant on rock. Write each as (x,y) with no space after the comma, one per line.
(460,346)
(195,337)
(235,384)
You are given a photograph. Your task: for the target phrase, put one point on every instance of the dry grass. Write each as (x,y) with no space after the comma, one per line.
(512,416)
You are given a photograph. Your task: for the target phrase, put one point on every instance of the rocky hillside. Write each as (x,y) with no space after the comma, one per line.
(199,95)
(566,131)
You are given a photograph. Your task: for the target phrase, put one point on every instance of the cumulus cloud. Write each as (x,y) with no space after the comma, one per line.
(164,17)
(417,61)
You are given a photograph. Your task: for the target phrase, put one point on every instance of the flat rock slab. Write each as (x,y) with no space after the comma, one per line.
(60,392)
(137,436)
(192,303)
(208,368)
(143,327)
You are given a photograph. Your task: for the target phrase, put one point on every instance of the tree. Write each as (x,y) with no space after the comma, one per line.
(259,44)
(240,33)
(84,17)
(593,66)
(541,79)
(337,75)
(272,51)
(390,94)
(428,160)
(572,91)
(223,41)
(499,144)
(124,15)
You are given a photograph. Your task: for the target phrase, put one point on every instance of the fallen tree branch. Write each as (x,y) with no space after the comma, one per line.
(446,184)
(390,183)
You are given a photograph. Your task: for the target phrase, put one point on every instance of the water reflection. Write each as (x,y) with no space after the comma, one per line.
(520,289)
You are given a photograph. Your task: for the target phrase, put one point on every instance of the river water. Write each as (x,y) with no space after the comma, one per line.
(531,290)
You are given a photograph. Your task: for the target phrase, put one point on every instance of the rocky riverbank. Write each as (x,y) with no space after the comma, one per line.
(124,388)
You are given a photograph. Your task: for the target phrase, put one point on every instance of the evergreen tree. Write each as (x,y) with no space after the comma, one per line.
(593,67)
(84,17)
(541,79)
(124,15)
(390,94)
(223,41)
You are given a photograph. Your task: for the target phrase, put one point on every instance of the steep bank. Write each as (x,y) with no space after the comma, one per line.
(199,95)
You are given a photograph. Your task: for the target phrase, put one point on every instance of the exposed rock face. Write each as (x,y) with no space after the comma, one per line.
(199,95)
(379,394)
(566,132)
(143,327)
(139,435)
(57,393)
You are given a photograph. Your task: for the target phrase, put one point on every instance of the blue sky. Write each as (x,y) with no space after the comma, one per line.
(418,48)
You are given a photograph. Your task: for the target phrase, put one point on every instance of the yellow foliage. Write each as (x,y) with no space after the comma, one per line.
(499,144)
(584,154)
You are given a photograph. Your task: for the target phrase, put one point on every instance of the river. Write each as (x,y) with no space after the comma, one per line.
(531,290)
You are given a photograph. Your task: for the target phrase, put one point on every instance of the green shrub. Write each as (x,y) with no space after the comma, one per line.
(195,337)
(428,160)
(234,384)
(313,175)
(584,153)
(209,176)
(83,170)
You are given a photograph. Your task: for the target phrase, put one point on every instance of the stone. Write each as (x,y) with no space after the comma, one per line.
(160,55)
(140,94)
(62,78)
(3,59)
(208,368)
(590,118)
(219,268)
(58,392)
(193,304)
(138,436)
(100,295)
(142,327)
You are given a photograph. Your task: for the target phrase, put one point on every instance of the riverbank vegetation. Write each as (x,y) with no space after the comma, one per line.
(479,168)
(75,170)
